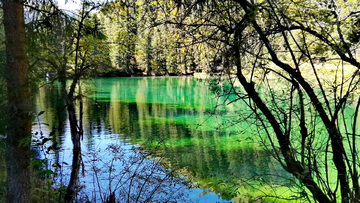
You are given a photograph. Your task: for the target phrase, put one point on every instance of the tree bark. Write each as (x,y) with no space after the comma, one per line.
(19,105)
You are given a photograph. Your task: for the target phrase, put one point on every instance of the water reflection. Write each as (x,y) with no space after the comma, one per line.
(175,113)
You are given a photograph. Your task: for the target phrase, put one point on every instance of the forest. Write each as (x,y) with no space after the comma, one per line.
(283,75)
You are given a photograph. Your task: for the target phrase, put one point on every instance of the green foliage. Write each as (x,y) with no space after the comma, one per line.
(354,34)
(52,49)
(37,164)
(140,37)
(41,165)
(254,41)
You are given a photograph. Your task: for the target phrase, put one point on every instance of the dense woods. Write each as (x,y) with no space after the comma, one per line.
(120,39)
(293,64)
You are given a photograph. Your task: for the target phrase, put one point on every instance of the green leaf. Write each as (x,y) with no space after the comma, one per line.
(36,164)
(40,113)
(45,172)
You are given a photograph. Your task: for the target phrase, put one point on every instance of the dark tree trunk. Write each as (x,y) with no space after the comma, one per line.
(74,177)
(148,55)
(19,106)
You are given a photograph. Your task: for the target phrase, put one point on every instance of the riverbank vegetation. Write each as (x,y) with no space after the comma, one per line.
(293,64)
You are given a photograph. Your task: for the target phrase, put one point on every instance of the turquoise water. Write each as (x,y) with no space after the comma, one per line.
(175,121)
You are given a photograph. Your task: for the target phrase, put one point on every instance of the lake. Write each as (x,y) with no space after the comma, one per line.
(157,139)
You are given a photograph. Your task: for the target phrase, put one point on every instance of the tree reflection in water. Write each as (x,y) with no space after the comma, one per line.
(129,175)
(142,110)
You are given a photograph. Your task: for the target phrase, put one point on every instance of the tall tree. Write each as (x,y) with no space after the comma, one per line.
(19,105)
(306,122)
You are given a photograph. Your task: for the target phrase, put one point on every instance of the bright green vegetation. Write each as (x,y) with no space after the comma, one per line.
(291,90)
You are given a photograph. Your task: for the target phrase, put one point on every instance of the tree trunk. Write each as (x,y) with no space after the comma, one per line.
(75,137)
(19,106)
(74,177)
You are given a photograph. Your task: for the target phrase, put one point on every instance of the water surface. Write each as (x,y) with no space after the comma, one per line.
(175,116)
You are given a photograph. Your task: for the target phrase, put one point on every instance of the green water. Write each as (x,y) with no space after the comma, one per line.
(176,116)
